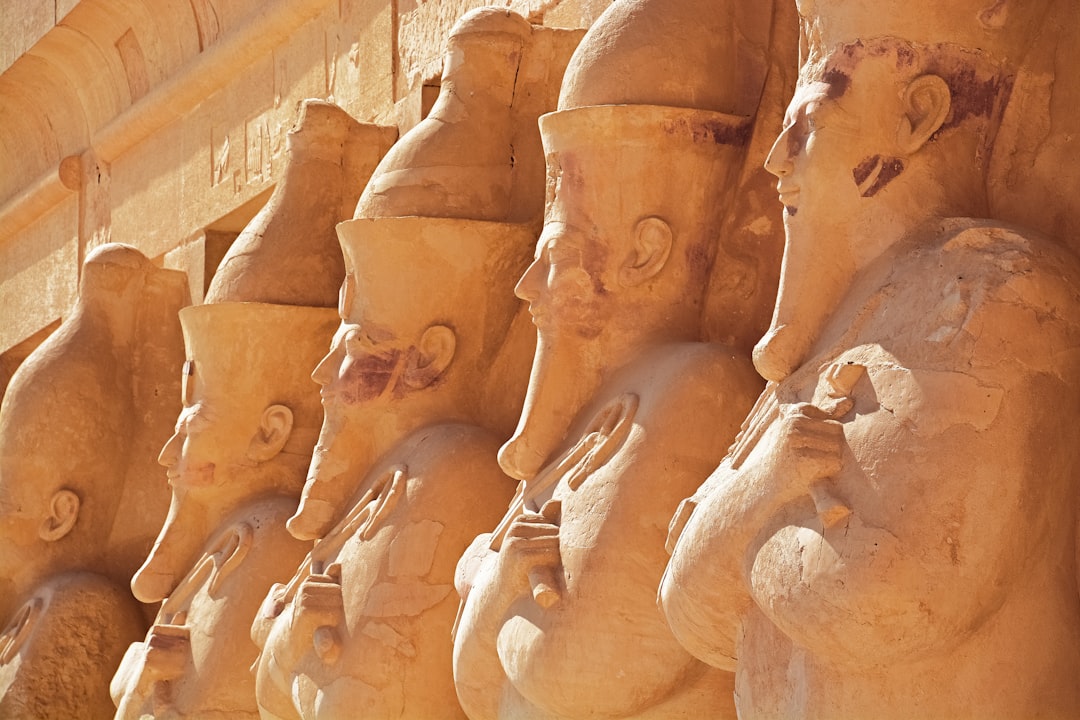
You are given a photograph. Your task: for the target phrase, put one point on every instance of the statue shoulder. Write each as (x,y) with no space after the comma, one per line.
(977,295)
(454,467)
(995,256)
(247,552)
(87,594)
(445,446)
(1013,293)
(693,396)
(695,377)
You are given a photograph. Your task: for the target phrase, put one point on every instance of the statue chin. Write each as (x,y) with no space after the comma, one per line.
(518,459)
(810,291)
(149,585)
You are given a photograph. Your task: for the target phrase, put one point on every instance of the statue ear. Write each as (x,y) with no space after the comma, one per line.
(927,101)
(275,426)
(63,513)
(652,246)
(431,357)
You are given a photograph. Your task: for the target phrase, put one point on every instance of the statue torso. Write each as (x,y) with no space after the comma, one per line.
(196,659)
(366,623)
(652,435)
(957,476)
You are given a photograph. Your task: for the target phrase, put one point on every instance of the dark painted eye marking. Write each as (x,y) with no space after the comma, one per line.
(838,82)
(796,135)
(368,376)
(875,172)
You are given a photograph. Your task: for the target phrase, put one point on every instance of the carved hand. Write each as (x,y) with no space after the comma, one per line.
(168,652)
(531,550)
(318,613)
(805,455)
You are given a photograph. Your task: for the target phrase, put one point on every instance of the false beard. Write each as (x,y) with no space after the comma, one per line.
(566,373)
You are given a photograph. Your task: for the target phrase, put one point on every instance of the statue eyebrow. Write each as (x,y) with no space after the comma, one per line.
(357,334)
(196,417)
(563,242)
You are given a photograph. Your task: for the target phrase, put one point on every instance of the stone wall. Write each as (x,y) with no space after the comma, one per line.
(162,124)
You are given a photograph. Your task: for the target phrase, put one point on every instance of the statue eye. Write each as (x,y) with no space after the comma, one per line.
(561,253)
(345,294)
(359,344)
(354,344)
(193,419)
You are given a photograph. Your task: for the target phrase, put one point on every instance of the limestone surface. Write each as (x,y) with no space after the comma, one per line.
(626,407)
(893,532)
(770,309)
(69,527)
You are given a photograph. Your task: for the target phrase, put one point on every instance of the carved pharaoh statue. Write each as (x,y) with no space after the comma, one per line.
(243,441)
(72,517)
(405,471)
(627,408)
(893,534)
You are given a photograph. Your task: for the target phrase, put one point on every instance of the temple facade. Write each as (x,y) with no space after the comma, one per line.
(162,125)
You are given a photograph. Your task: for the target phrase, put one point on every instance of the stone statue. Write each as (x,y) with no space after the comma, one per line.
(626,407)
(477,155)
(405,472)
(288,254)
(236,465)
(893,534)
(366,622)
(72,516)
(243,441)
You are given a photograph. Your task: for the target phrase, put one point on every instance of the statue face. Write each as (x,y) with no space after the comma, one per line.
(358,371)
(570,289)
(358,377)
(838,146)
(206,447)
(838,150)
(567,285)
(22,509)
(210,466)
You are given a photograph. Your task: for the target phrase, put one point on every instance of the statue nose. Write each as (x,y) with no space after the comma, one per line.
(778,161)
(526,287)
(319,374)
(170,452)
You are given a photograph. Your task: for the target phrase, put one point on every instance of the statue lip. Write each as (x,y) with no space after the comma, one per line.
(789,195)
(192,478)
(539,316)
